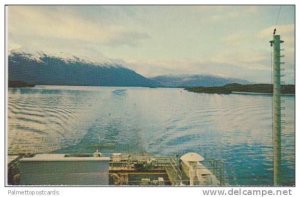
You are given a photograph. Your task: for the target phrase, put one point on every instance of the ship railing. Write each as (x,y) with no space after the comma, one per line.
(172,169)
(217,169)
(120,165)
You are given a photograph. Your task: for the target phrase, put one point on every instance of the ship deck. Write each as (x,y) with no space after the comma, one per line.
(144,170)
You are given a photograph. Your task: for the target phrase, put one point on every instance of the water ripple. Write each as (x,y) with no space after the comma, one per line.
(234,128)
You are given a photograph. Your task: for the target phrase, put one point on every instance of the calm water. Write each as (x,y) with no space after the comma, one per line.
(235,128)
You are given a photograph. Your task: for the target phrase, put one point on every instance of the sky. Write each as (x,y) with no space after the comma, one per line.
(227,41)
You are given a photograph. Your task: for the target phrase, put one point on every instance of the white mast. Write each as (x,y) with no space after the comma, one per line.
(275,43)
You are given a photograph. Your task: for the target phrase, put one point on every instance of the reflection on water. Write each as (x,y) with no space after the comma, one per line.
(235,128)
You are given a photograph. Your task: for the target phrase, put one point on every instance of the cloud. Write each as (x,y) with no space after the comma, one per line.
(287,32)
(250,59)
(216,68)
(155,40)
(234,39)
(40,25)
(14,46)
(224,13)
(252,52)
(127,38)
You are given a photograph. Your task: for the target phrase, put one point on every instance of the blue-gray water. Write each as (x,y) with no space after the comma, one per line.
(234,128)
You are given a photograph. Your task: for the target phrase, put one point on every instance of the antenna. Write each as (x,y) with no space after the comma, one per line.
(278,14)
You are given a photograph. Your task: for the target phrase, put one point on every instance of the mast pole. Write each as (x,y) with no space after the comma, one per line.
(276,110)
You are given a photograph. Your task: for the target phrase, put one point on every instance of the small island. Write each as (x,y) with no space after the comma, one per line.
(19,84)
(239,88)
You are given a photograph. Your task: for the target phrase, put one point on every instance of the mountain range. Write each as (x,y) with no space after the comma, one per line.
(195,80)
(50,70)
(44,69)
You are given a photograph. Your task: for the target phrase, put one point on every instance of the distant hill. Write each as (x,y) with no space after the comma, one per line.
(195,80)
(49,70)
(19,84)
(248,88)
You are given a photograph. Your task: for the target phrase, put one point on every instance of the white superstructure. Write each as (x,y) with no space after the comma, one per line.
(196,171)
(61,169)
